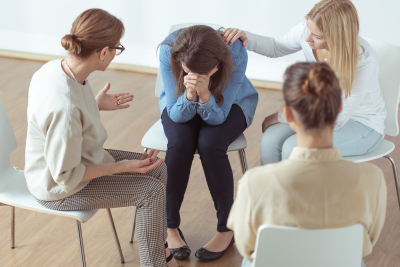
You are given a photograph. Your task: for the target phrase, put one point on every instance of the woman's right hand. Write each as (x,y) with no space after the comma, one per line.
(147,163)
(232,34)
(269,121)
(191,94)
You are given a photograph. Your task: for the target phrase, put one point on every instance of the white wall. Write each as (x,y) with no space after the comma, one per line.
(38,26)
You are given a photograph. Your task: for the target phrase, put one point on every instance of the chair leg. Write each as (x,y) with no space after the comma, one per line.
(243,161)
(115,236)
(396,179)
(12,227)
(133,226)
(81,243)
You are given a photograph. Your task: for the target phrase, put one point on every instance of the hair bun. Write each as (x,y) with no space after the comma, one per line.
(319,77)
(71,43)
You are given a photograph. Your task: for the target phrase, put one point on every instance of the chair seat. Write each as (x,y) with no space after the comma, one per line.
(383,149)
(14,192)
(155,139)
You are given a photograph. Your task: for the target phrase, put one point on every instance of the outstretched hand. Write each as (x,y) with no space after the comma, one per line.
(112,102)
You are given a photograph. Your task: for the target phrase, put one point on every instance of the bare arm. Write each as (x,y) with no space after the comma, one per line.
(147,163)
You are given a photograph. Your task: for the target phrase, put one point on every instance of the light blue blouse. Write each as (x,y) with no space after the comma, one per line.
(240,91)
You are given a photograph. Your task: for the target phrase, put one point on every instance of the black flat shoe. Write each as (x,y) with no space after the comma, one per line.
(205,255)
(182,252)
(170,257)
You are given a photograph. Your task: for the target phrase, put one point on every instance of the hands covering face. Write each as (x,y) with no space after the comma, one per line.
(197,86)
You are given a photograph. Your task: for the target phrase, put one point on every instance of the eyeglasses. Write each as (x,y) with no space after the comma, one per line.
(119,49)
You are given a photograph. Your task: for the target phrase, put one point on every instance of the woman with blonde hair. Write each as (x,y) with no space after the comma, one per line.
(66,166)
(329,34)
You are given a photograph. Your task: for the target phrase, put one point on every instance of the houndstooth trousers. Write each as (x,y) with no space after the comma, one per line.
(145,191)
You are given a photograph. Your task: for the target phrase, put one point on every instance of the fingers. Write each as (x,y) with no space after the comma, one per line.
(123,106)
(229,36)
(144,156)
(150,167)
(124,99)
(153,154)
(106,87)
(226,34)
(233,34)
(152,151)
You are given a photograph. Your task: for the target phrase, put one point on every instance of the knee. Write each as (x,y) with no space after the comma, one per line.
(160,173)
(269,140)
(288,146)
(211,146)
(183,146)
(163,173)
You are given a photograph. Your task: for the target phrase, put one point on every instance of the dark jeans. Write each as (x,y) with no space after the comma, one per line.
(212,142)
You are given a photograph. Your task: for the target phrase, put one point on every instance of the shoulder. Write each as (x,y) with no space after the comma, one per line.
(238,52)
(49,88)
(370,172)
(50,73)
(367,55)
(167,43)
(265,174)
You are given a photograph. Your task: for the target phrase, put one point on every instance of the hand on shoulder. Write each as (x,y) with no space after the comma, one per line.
(232,34)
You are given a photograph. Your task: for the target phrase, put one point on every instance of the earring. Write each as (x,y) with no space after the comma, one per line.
(103,59)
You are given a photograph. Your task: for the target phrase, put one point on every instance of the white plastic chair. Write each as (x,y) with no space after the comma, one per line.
(389,81)
(14,191)
(282,246)
(155,137)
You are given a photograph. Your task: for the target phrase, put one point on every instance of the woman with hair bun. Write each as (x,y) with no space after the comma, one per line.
(66,166)
(329,34)
(315,188)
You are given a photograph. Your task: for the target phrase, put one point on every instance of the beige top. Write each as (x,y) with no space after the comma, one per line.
(64,135)
(314,188)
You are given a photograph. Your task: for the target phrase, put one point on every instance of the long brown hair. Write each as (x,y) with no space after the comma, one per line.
(313,91)
(92,30)
(338,21)
(201,49)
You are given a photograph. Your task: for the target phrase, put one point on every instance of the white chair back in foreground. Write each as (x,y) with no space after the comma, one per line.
(282,246)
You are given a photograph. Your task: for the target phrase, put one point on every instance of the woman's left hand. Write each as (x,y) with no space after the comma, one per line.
(200,83)
(112,102)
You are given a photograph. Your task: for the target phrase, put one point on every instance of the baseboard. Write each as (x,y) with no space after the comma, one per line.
(124,67)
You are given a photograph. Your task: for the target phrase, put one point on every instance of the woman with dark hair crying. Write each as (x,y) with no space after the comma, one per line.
(206,103)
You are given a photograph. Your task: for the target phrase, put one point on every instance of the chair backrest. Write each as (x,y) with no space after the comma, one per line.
(389,81)
(7,139)
(159,82)
(281,246)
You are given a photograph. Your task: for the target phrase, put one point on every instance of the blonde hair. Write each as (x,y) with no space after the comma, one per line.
(338,21)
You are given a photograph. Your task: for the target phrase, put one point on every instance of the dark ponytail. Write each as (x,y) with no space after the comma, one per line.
(313,91)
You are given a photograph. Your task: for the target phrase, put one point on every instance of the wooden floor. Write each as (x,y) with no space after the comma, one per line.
(45,240)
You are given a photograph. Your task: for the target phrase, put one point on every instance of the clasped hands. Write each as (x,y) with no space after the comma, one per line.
(197,85)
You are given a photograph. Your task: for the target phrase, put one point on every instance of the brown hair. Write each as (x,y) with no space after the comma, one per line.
(313,91)
(201,49)
(92,30)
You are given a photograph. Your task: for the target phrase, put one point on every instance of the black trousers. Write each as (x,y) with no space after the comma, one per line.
(212,143)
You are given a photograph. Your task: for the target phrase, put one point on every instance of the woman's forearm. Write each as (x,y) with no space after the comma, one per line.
(96,171)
